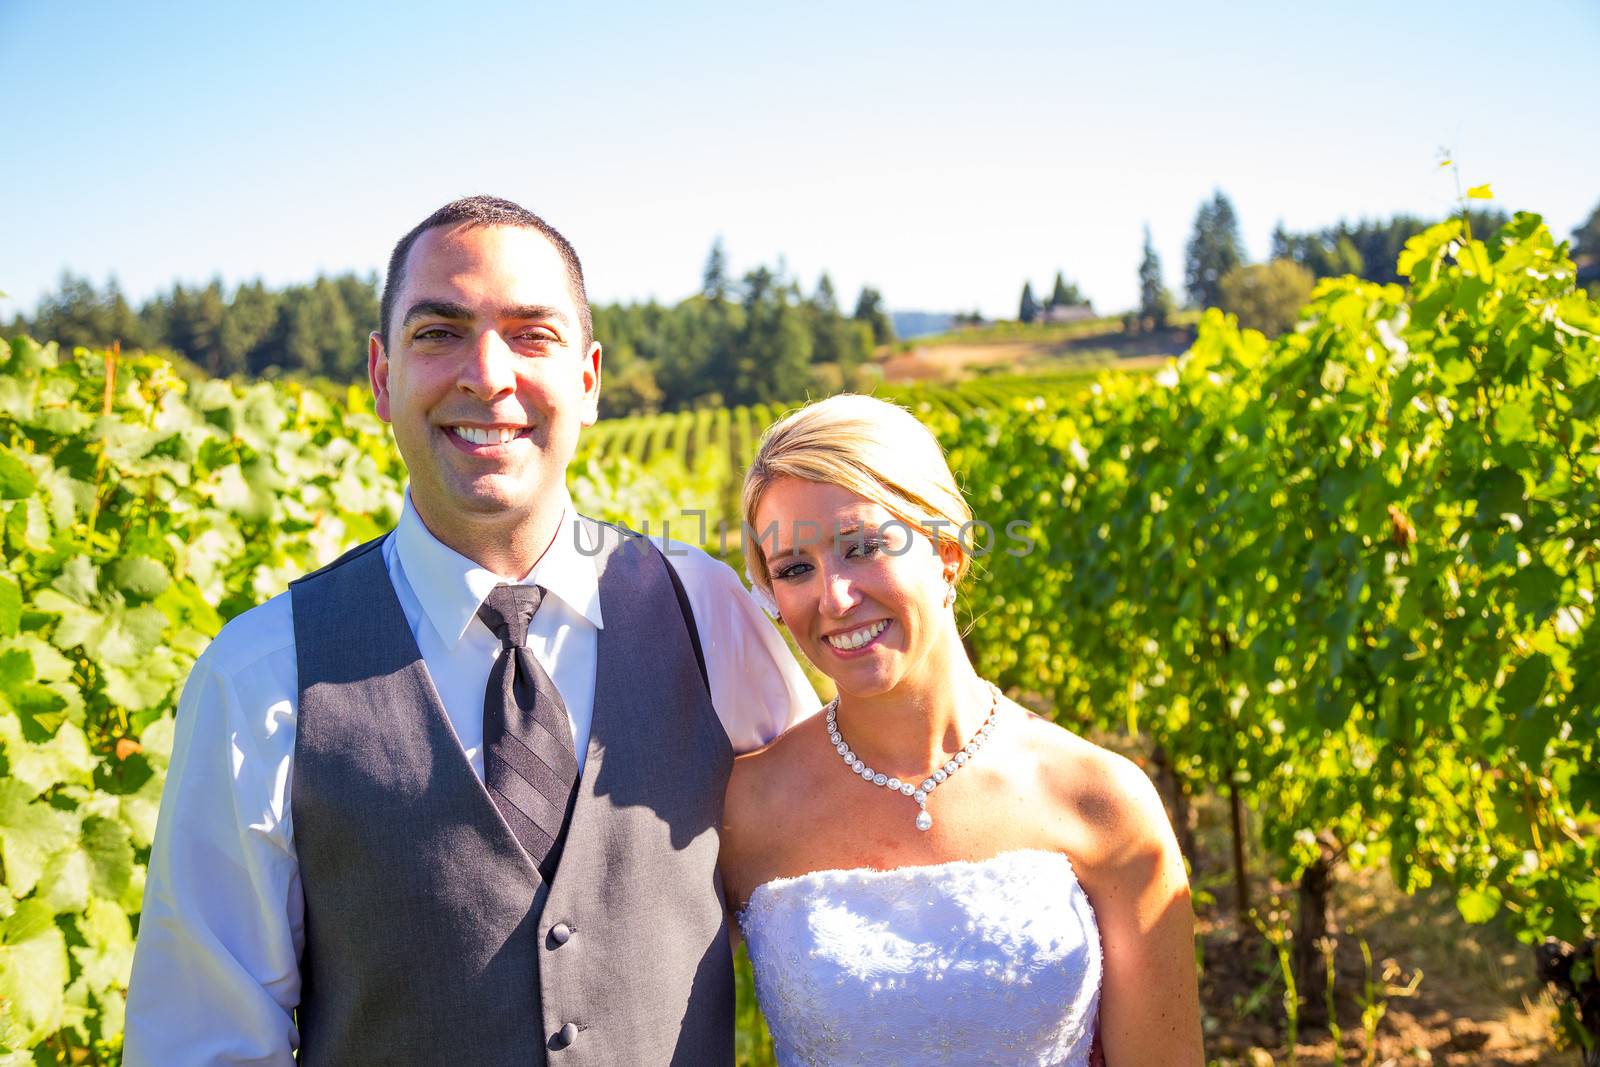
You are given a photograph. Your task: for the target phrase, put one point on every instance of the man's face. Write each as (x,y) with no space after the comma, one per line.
(486,378)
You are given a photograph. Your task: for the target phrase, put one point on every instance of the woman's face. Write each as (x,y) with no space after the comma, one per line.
(863,596)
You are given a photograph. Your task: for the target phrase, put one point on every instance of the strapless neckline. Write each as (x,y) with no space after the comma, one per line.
(843,875)
(963,962)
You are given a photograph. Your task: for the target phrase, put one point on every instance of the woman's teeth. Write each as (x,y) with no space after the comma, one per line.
(857,638)
(476,436)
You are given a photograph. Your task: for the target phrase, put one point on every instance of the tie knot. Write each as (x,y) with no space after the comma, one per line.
(508,609)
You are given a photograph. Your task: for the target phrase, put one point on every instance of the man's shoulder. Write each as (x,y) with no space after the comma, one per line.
(245,640)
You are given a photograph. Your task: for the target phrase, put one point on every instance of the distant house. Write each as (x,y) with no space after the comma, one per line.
(1067,313)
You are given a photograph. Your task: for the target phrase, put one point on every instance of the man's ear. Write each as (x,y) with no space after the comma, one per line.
(591,384)
(378,374)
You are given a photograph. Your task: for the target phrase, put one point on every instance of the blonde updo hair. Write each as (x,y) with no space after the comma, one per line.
(874,449)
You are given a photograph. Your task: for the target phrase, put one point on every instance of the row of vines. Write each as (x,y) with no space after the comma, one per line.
(1344,579)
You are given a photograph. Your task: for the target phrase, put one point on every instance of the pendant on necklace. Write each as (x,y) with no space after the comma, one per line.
(924,820)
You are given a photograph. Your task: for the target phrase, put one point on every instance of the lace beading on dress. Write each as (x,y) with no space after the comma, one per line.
(995,961)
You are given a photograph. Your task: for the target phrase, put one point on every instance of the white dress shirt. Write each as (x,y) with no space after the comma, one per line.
(215,972)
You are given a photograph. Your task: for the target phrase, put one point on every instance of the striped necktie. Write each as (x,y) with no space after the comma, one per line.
(529,766)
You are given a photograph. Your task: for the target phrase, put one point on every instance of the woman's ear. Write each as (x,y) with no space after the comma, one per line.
(951,558)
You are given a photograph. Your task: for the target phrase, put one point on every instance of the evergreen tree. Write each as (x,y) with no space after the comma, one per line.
(845,343)
(774,346)
(1281,246)
(1586,252)
(870,310)
(714,279)
(1155,302)
(1029,310)
(1064,294)
(246,325)
(195,325)
(1214,249)
(824,299)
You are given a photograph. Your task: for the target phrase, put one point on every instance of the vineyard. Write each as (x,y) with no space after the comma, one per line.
(1341,583)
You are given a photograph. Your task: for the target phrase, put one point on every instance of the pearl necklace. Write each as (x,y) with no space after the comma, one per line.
(937,777)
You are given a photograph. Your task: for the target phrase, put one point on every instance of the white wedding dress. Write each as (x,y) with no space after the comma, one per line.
(995,961)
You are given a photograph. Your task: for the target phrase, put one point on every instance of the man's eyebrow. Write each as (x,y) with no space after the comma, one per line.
(534,311)
(436,309)
(454,312)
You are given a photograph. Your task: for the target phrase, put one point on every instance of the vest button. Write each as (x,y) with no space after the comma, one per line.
(564,1036)
(560,934)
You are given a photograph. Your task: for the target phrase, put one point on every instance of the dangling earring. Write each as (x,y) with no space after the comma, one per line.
(949,594)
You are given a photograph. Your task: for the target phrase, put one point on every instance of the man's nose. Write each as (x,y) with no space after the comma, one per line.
(490,369)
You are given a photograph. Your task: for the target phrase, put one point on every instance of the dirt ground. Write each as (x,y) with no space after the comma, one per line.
(1450,993)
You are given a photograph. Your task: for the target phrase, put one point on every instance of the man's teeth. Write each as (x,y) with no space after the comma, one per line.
(476,436)
(857,638)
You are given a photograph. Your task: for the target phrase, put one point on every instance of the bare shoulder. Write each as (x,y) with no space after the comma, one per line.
(1116,811)
(760,803)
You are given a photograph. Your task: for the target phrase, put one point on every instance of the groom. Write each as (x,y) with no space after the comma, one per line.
(455,798)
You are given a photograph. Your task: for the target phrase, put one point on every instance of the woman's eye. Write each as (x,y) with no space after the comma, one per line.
(864,548)
(793,570)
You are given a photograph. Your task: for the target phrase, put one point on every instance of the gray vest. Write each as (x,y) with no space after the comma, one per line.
(429,936)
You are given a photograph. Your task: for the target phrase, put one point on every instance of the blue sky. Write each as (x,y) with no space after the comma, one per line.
(944,153)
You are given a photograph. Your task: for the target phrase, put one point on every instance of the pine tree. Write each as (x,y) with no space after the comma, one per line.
(1214,249)
(870,310)
(1030,306)
(714,279)
(1281,246)
(824,299)
(1586,251)
(1155,302)
(1064,294)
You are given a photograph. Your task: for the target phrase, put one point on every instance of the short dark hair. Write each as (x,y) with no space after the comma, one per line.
(484,211)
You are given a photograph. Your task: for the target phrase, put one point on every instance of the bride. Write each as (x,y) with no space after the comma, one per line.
(927,871)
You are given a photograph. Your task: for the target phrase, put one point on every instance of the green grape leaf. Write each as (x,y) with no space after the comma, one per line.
(10,605)
(16,667)
(1514,422)
(141,577)
(49,665)
(31,833)
(1538,591)
(28,526)
(157,741)
(106,957)
(33,972)
(64,885)
(138,810)
(1478,905)
(77,623)
(42,709)
(16,480)
(77,581)
(109,848)
(126,638)
(1585,791)
(144,684)
(64,759)
(1522,690)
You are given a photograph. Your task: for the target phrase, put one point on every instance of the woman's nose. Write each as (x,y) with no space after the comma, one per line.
(838,594)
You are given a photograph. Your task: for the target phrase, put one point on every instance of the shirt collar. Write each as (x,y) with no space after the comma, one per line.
(450,587)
